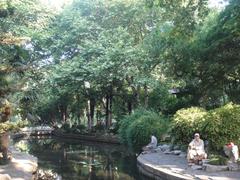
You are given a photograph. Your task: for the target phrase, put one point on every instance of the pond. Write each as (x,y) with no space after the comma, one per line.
(76,160)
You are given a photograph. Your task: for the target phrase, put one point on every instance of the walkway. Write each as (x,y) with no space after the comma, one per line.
(171,167)
(21,167)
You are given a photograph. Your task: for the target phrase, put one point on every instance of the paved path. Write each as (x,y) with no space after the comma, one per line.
(176,167)
(21,167)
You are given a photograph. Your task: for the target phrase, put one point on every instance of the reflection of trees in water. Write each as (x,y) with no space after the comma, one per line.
(80,160)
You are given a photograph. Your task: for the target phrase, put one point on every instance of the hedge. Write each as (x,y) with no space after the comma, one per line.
(219,126)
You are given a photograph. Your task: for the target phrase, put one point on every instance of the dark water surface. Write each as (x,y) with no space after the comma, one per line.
(76,160)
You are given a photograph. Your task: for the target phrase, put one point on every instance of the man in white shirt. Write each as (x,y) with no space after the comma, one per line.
(152,145)
(196,150)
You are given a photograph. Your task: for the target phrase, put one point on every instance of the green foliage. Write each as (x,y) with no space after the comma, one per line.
(99,127)
(161,100)
(12,126)
(128,120)
(186,122)
(222,125)
(66,128)
(217,160)
(126,50)
(78,129)
(114,128)
(21,25)
(219,126)
(137,128)
(139,132)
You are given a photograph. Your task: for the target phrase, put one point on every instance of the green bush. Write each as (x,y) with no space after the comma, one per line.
(77,129)
(219,126)
(186,122)
(222,125)
(99,127)
(129,119)
(81,127)
(9,126)
(66,128)
(114,128)
(217,160)
(139,132)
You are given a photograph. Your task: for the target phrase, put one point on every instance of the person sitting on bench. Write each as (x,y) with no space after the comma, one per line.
(196,152)
(152,145)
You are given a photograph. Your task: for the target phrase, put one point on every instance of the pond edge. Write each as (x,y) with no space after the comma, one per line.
(159,173)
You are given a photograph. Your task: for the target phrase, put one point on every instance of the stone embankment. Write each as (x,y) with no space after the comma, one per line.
(23,166)
(34,131)
(164,164)
(104,138)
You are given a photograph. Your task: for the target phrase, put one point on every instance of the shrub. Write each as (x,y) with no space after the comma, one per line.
(222,125)
(77,129)
(9,126)
(139,132)
(99,127)
(127,121)
(114,128)
(186,122)
(217,160)
(81,127)
(66,128)
(219,126)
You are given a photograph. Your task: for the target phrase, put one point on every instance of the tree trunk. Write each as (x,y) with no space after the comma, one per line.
(145,96)
(137,94)
(129,104)
(107,111)
(88,115)
(109,98)
(110,110)
(79,111)
(92,109)
(4,138)
(63,112)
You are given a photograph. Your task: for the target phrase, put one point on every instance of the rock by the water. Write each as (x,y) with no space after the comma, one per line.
(196,167)
(176,147)
(5,177)
(233,166)
(214,168)
(177,152)
(47,175)
(205,161)
(164,147)
(183,154)
(168,152)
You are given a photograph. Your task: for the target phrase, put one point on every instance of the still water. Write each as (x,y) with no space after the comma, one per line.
(76,160)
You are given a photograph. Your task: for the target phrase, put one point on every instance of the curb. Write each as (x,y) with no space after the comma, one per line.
(159,173)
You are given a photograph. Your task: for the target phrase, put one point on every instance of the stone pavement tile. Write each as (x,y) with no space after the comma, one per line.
(178,165)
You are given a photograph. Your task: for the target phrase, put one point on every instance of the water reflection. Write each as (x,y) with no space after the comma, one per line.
(74,160)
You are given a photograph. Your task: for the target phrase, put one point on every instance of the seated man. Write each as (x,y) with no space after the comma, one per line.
(196,150)
(152,145)
(231,150)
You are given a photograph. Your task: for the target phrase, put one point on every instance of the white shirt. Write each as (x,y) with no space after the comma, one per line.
(153,141)
(197,145)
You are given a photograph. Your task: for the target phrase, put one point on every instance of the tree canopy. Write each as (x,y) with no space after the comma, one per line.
(99,60)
